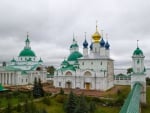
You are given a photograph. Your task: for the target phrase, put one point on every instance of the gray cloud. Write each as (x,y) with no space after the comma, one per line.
(51,25)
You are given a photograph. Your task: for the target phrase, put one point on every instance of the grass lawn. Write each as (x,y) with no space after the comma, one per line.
(57,107)
(146,108)
(102,109)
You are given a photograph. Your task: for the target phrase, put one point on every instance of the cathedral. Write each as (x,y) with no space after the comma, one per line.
(92,70)
(23,69)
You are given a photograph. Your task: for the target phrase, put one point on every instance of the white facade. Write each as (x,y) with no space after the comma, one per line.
(24,69)
(93,70)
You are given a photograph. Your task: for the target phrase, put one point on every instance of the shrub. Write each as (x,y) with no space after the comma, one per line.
(60,98)
(61,91)
(46,100)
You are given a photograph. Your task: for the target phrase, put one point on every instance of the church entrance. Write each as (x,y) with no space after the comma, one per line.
(87,86)
(68,84)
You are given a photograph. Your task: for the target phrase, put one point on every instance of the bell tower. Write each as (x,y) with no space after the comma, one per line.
(139,74)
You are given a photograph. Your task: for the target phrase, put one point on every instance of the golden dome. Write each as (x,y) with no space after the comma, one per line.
(96,36)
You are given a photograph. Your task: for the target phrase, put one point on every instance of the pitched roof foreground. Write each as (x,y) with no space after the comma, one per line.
(132,103)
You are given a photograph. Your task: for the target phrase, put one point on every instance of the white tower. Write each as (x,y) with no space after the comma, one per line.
(138,74)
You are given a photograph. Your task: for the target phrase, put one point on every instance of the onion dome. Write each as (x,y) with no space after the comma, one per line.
(27,49)
(85,44)
(102,42)
(107,45)
(40,60)
(74,45)
(74,56)
(96,36)
(13,60)
(138,51)
(27,52)
(91,46)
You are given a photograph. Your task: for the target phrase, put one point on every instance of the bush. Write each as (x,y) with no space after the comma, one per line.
(46,100)
(60,98)
(61,91)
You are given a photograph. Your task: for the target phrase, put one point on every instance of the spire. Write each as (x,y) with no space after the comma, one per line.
(27,42)
(96,36)
(102,42)
(107,44)
(73,38)
(85,43)
(96,25)
(137,44)
(102,32)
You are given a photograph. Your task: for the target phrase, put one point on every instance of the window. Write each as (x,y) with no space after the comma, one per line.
(82,63)
(101,63)
(138,61)
(59,83)
(26,80)
(91,63)
(95,50)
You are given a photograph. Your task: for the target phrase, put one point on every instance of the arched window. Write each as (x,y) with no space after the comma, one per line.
(68,73)
(87,73)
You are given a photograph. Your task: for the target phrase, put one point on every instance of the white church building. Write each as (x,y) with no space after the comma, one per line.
(23,69)
(92,70)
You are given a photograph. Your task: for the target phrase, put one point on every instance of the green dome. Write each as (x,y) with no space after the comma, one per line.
(138,51)
(74,45)
(13,60)
(74,56)
(65,63)
(27,52)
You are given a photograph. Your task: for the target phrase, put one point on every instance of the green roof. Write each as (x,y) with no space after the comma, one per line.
(122,75)
(132,102)
(74,56)
(40,60)
(65,62)
(11,68)
(74,45)
(27,52)
(13,60)
(1,87)
(70,67)
(24,73)
(138,51)
(50,75)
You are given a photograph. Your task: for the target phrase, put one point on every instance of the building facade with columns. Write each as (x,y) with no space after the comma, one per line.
(92,70)
(23,69)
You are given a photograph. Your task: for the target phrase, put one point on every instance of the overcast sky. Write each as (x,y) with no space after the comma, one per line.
(51,24)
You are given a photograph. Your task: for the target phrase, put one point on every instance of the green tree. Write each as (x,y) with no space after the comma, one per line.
(129,70)
(8,108)
(61,91)
(71,103)
(50,69)
(92,107)
(41,91)
(82,106)
(38,89)
(19,108)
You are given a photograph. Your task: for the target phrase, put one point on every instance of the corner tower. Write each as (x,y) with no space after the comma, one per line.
(138,74)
